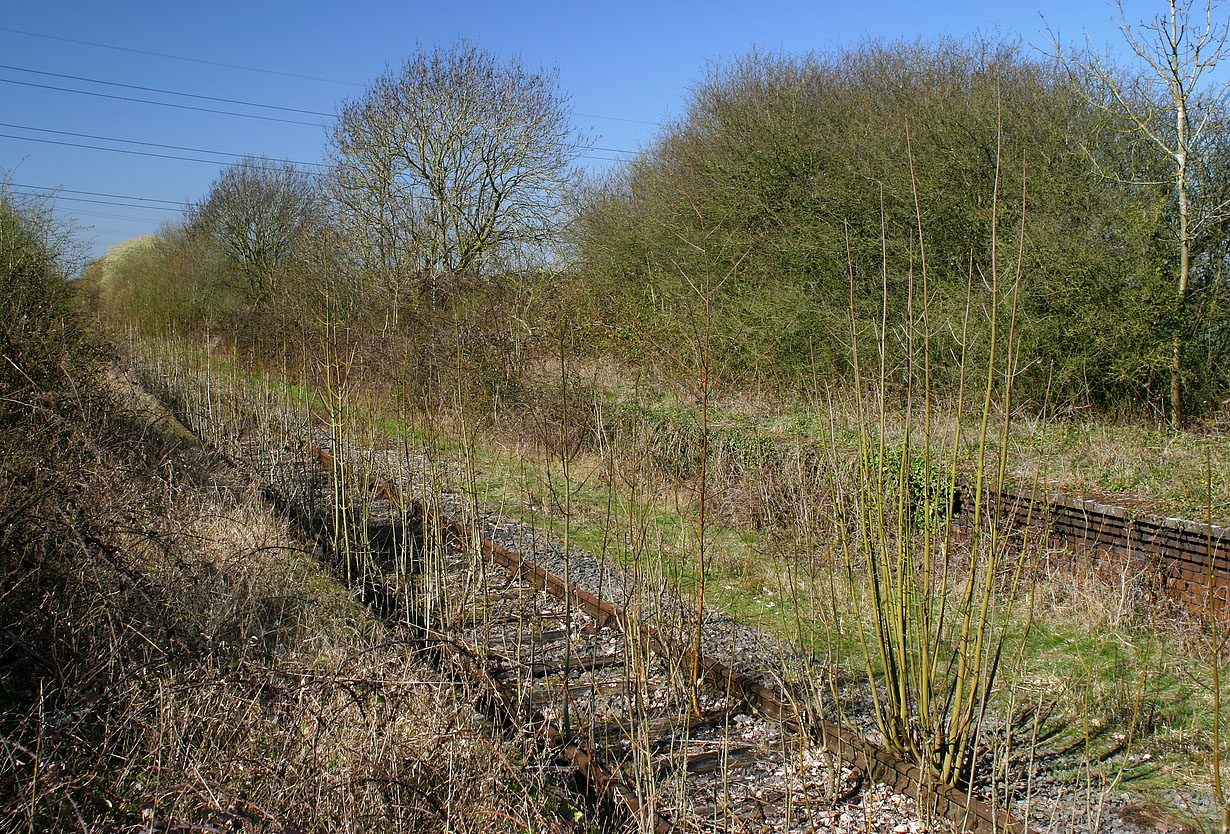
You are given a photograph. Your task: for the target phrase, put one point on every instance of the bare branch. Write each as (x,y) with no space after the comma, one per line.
(452,164)
(257,213)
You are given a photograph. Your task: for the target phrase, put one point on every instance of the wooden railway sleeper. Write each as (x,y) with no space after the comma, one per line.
(587,765)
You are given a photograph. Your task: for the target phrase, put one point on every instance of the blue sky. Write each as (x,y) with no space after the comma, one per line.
(627,67)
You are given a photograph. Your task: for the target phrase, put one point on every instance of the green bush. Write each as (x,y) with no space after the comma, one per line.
(792,178)
(42,333)
(929,496)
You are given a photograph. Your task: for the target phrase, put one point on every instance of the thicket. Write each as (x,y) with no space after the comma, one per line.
(799,173)
(42,338)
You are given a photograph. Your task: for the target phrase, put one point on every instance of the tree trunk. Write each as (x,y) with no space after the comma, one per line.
(1185,261)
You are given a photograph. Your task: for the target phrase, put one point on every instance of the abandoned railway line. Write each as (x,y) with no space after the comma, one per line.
(592,665)
(603,685)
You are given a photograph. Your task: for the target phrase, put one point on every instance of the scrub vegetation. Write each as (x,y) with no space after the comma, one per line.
(754,363)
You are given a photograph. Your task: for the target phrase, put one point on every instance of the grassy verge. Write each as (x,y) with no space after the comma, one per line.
(1160,470)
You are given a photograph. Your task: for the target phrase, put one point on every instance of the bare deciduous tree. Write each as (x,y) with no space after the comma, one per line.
(452,164)
(258,213)
(1171,104)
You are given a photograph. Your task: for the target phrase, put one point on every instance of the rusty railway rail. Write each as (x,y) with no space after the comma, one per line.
(589,766)
(877,763)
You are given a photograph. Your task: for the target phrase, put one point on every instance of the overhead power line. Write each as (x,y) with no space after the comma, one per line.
(148,144)
(130,150)
(83,213)
(179,57)
(159,103)
(53,190)
(184,158)
(99,202)
(243,115)
(207,98)
(167,92)
(617,119)
(261,70)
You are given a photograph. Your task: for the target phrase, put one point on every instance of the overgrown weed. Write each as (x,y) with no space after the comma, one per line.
(175,656)
(1088,647)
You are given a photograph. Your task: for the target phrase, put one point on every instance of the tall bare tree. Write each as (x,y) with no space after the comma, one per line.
(258,213)
(1172,104)
(452,163)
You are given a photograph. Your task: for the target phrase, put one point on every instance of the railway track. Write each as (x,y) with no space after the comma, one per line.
(612,694)
(607,692)
(603,686)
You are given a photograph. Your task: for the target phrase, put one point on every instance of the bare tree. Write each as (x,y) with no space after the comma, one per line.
(258,213)
(1171,104)
(451,164)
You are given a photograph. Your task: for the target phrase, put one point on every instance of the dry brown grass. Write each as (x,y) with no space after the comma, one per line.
(174,658)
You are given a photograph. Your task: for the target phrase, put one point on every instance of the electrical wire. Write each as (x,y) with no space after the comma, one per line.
(260,70)
(207,109)
(190,158)
(82,213)
(98,202)
(159,103)
(52,191)
(129,151)
(167,92)
(179,57)
(149,144)
(193,159)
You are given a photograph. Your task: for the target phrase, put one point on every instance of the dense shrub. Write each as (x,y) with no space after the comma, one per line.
(801,185)
(42,337)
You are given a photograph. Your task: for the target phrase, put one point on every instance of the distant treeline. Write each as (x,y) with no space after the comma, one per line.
(881,191)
